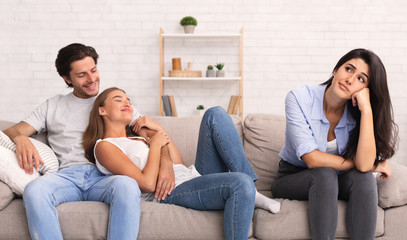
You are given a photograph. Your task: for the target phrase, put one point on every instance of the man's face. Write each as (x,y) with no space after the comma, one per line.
(84,77)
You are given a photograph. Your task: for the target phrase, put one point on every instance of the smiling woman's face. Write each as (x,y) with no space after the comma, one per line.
(351,77)
(117,107)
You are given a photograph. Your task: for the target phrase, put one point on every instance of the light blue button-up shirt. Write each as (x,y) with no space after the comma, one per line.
(307,127)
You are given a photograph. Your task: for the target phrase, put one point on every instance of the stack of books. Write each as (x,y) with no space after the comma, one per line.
(169,106)
(233,104)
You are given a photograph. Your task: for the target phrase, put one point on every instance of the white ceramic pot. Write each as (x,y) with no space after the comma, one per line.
(189,29)
(220,73)
(199,112)
(210,73)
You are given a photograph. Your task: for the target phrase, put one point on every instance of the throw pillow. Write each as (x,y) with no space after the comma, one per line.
(12,174)
(393,191)
(47,155)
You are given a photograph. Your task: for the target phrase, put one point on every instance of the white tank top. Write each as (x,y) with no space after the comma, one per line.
(138,151)
(332,147)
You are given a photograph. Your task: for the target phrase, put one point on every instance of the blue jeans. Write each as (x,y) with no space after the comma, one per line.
(227,181)
(82,183)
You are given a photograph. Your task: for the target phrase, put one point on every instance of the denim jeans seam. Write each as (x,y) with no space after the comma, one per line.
(234,210)
(55,190)
(204,189)
(229,165)
(184,193)
(107,186)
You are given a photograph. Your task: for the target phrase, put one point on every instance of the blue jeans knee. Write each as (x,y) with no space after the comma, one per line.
(243,185)
(125,188)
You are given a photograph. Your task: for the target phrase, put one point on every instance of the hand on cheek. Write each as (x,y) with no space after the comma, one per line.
(361,99)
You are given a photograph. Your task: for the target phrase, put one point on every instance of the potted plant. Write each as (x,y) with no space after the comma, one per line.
(200,109)
(210,72)
(220,72)
(189,24)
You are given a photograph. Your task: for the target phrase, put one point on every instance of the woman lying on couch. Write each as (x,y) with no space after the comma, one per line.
(223,178)
(336,134)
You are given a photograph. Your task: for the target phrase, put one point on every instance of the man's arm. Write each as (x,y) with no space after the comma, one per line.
(25,150)
(145,122)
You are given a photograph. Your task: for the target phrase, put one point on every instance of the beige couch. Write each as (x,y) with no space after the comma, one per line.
(263,137)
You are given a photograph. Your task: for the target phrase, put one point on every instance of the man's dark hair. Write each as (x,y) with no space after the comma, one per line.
(71,53)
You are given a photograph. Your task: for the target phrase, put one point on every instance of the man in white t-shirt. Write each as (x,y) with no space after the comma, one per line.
(65,118)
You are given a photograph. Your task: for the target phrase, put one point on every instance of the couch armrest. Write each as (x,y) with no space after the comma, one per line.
(393,192)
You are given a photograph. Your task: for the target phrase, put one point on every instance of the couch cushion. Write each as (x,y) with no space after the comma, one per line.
(6,195)
(179,223)
(184,132)
(263,139)
(88,220)
(292,222)
(13,221)
(395,219)
(83,220)
(393,191)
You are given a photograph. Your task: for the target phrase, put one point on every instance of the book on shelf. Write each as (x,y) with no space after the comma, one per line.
(167,106)
(172,105)
(233,105)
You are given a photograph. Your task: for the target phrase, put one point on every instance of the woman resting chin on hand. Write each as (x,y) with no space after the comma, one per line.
(337,133)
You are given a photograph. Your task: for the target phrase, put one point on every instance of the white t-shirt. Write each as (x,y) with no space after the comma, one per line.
(65,118)
(137,152)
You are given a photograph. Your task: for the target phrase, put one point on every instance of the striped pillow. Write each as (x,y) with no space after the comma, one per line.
(11,174)
(47,155)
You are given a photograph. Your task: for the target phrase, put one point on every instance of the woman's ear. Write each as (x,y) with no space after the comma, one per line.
(102,111)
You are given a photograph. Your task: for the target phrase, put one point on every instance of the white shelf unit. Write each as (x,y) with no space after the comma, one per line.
(201,78)
(239,79)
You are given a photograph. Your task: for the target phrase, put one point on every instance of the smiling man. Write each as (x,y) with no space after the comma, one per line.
(65,118)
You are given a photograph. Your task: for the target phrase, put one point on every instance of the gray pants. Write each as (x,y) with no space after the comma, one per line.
(322,187)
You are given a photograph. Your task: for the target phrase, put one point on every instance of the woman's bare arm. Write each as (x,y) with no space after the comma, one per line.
(116,162)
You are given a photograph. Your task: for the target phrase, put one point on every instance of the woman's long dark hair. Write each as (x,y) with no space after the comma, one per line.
(385,129)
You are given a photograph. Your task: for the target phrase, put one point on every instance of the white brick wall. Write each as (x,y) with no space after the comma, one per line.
(287,44)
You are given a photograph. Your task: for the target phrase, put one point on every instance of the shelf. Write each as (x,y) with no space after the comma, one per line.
(203,36)
(200,36)
(201,78)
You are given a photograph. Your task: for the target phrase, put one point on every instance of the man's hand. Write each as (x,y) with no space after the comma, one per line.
(166,177)
(26,153)
(384,168)
(145,122)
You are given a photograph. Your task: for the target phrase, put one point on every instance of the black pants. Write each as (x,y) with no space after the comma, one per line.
(322,187)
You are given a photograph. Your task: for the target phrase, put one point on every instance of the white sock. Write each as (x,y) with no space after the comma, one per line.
(266,203)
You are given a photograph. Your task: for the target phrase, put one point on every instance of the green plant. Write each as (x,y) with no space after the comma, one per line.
(188,20)
(219,66)
(200,107)
(210,67)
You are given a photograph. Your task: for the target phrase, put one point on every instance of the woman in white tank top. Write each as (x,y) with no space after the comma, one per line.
(222,180)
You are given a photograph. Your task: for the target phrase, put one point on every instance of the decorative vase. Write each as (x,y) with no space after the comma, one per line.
(210,73)
(220,73)
(189,29)
(199,112)
(176,64)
